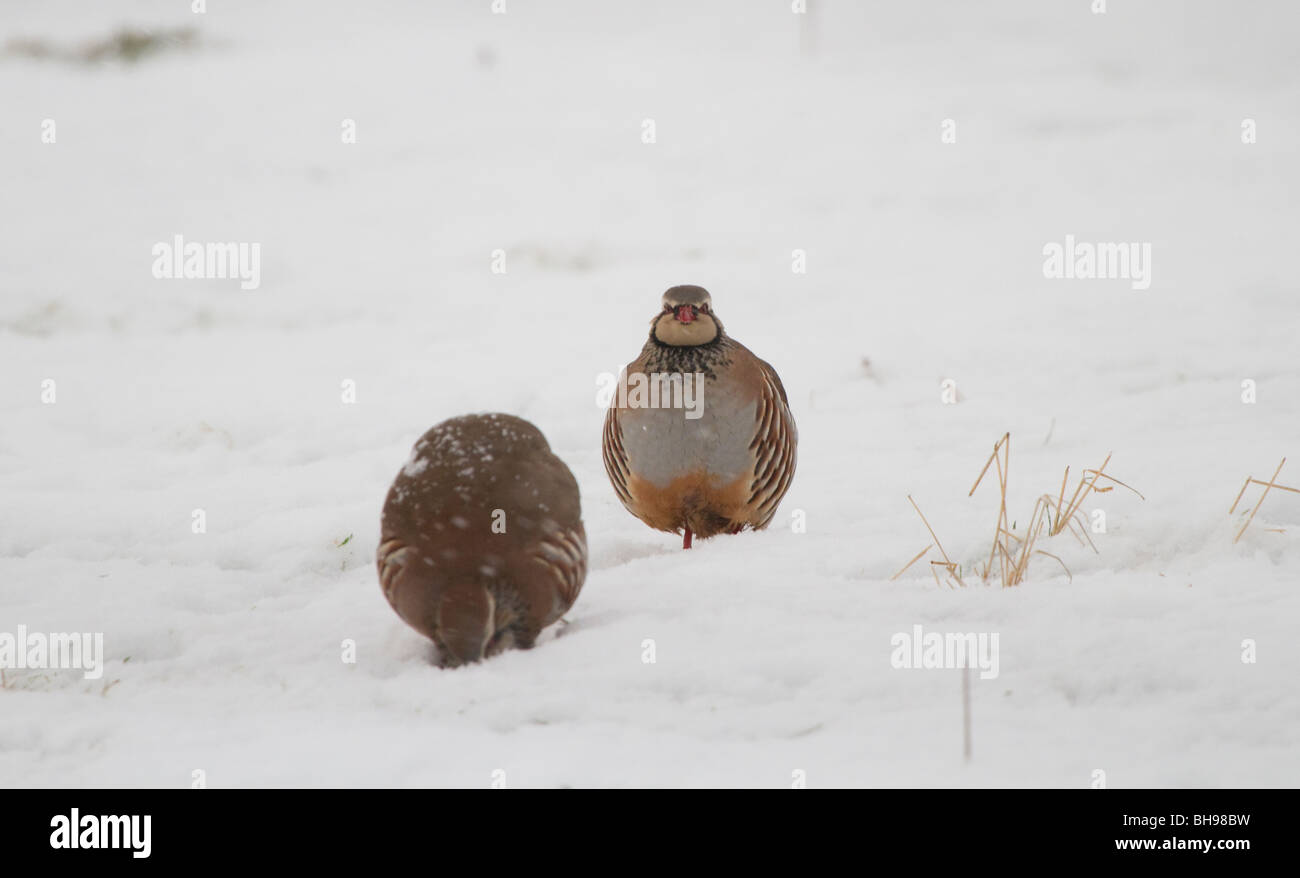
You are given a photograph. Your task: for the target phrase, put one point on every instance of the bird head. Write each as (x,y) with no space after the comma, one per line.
(686,318)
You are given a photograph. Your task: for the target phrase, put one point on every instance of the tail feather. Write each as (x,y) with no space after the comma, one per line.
(466,623)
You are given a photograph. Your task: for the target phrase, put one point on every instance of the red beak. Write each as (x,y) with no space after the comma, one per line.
(685,313)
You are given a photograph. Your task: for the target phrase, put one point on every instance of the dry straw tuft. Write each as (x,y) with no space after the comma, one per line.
(1009,553)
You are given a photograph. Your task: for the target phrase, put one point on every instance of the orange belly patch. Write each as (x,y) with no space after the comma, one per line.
(696,500)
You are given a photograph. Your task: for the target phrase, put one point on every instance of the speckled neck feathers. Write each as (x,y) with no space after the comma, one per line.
(688,359)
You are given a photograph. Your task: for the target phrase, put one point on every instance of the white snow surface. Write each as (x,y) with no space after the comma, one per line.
(523,132)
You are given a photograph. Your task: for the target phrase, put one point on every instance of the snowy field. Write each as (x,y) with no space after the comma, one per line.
(523,133)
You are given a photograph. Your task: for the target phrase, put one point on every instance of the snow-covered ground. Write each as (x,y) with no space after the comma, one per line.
(522,132)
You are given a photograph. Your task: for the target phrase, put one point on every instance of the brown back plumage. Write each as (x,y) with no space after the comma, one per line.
(482,544)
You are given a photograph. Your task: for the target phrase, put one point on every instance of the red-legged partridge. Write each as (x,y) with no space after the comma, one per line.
(722,459)
(482,544)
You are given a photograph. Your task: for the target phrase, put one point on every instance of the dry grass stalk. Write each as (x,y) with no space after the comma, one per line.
(1086,486)
(907,565)
(1003,461)
(965,712)
(1011,551)
(954,572)
(1268,486)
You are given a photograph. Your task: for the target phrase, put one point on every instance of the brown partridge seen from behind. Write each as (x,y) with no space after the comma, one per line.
(482,543)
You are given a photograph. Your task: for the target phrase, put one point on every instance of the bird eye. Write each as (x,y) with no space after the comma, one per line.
(704,308)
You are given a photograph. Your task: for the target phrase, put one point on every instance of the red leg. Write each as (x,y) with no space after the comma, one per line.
(686,540)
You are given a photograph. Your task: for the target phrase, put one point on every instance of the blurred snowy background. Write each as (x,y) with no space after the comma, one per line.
(522,132)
